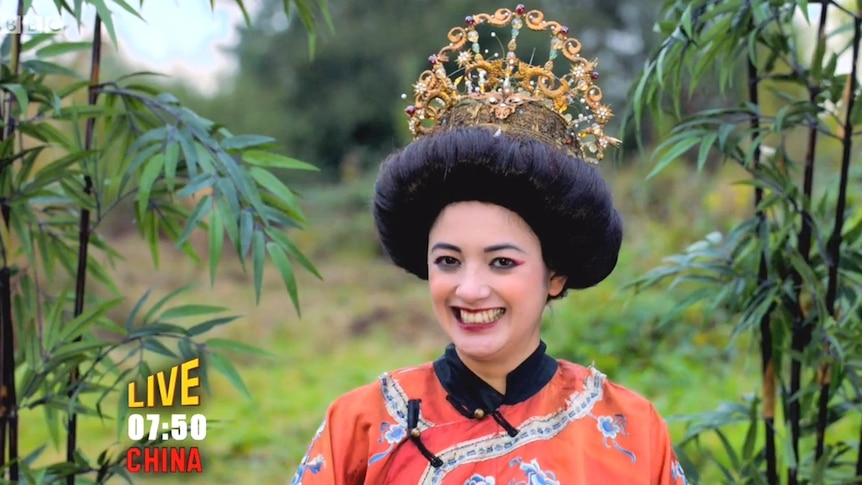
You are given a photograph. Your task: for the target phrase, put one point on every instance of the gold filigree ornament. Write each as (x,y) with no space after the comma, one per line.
(511,95)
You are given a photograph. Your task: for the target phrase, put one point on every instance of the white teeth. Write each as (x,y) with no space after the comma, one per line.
(485,316)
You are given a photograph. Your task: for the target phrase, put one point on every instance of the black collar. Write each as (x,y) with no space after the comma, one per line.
(469,393)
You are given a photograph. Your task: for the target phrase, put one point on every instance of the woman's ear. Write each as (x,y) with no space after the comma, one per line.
(556,285)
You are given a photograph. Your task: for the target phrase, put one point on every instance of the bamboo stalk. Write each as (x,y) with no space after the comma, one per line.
(768,366)
(824,379)
(8,393)
(84,234)
(824,373)
(834,244)
(801,332)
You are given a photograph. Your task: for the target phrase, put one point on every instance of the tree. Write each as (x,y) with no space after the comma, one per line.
(791,274)
(344,103)
(73,147)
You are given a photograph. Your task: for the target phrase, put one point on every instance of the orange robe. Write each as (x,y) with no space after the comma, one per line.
(577,429)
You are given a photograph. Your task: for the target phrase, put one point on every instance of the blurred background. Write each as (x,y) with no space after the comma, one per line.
(341,110)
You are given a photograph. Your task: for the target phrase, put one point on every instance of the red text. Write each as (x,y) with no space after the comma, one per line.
(172,459)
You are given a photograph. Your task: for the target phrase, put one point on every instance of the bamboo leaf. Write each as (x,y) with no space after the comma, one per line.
(258,257)
(201,210)
(234,346)
(52,421)
(74,352)
(20,95)
(225,368)
(248,191)
(273,160)
(285,267)
(122,412)
(50,134)
(185,347)
(246,18)
(216,242)
(208,325)
(172,158)
(705,146)
(98,273)
(150,174)
(74,190)
(190,310)
(157,329)
(34,41)
(672,154)
(77,325)
(307,17)
(189,150)
(246,230)
(242,142)
(151,314)
(197,184)
(155,346)
(230,216)
(20,225)
(271,183)
(107,19)
(41,67)
(294,252)
(61,48)
(226,198)
(139,159)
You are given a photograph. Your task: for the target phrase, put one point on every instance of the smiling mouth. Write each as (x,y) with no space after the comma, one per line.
(482,317)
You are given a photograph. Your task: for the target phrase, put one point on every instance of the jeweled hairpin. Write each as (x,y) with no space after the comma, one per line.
(513,95)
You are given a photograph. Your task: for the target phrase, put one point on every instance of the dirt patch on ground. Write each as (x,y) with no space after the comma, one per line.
(404,324)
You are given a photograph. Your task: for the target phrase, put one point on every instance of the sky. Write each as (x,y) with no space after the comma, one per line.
(180,38)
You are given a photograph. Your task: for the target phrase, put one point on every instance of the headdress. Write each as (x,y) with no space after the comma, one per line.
(510,94)
(504,131)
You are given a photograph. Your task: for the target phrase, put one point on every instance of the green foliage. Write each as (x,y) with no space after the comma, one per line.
(73,149)
(789,275)
(368,316)
(344,106)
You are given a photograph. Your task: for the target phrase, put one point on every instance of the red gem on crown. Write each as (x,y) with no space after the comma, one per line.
(594,75)
(469,20)
(410,110)
(564,31)
(520,9)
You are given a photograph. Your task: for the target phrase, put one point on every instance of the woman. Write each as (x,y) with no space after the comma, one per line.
(495,205)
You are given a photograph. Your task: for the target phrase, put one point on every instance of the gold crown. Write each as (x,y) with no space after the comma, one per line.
(512,95)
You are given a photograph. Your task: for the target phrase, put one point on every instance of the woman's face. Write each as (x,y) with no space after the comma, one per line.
(488,282)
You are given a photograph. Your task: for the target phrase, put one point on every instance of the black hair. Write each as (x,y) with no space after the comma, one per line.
(563,199)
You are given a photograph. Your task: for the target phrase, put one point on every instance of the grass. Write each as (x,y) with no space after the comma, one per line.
(366,317)
(344,339)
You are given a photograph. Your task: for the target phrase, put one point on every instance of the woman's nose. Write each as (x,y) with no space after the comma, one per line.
(472,287)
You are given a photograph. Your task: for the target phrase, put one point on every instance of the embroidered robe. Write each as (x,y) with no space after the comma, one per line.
(438,423)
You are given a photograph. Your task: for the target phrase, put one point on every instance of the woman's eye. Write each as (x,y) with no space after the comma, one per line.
(503,263)
(446,261)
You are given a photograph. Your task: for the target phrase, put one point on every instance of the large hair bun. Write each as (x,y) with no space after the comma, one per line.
(563,199)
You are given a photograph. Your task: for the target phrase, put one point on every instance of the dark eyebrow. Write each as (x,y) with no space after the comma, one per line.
(450,247)
(500,247)
(489,249)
